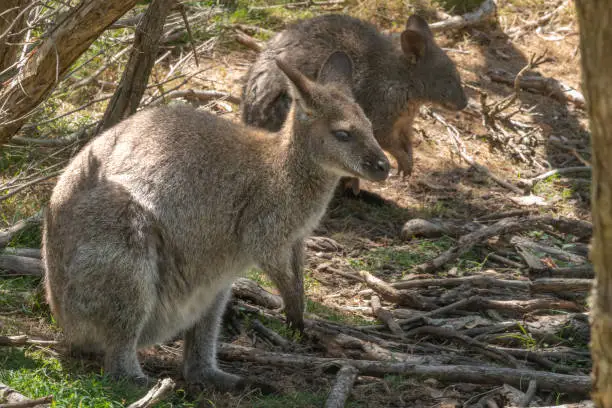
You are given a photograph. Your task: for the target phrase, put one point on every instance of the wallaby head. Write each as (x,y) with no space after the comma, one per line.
(331,127)
(430,66)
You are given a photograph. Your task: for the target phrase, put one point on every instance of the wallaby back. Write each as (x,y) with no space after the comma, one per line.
(387,76)
(152,220)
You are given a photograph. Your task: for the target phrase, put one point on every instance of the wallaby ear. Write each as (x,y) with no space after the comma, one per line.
(416,36)
(300,83)
(413,44)
(337,68)
(418,23)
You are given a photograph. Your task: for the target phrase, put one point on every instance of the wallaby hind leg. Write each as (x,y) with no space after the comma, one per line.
(200,355)
(401,148)
(121,362)
(113,319)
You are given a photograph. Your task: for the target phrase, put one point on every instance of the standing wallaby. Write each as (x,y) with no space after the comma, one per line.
(387,77)
(152,221)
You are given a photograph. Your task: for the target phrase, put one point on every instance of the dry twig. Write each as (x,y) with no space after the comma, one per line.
(7,235)
(385,316)
(505,226)
(342,387)
(543,85)
(486,10)
(30,403)
(389,293)
(155,394)
(580,384)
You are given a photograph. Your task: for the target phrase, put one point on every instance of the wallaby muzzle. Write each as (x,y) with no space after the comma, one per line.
(376,168)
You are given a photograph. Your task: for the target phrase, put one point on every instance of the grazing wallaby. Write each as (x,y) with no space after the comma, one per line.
(387,77)
(150,223)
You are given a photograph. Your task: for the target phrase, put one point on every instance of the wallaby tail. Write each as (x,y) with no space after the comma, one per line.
(52,268)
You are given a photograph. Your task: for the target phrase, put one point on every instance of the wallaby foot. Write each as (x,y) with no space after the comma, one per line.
(225,382)
(122,364)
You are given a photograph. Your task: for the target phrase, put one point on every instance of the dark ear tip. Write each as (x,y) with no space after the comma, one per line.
(416,18)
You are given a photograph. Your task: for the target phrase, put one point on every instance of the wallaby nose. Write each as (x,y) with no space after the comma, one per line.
(383,166)
(376,169)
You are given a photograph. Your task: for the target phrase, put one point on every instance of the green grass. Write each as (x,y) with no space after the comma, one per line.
(333,315)
(25,294)
(31,237)
(37,374)
(401,259)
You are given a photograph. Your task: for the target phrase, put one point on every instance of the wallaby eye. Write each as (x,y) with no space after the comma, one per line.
(342,135)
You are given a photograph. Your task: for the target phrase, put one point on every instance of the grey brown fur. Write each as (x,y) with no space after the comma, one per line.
(388,76)
(150,222)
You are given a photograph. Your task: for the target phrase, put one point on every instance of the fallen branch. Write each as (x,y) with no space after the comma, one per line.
(390,294)
(538,359)
(80,135)
(433,228)
(10,396)
(199,96)
(342,345)
(506,226)
(448,308)
(322,244)
(248,41)
(385,316)
(532,388)
(580,384)
(254,29)
(494,353)
(516,32)
(486,10)
(342,387)
(29,184)
(307,3)
(583,404)
(30,403)
(24,340)
(270,334)
(533,181)
(551,285)
(570,272)
(7,235)
(525,306)
(244,288)
(155,394)
(543,85)
(25,252)
(21,265)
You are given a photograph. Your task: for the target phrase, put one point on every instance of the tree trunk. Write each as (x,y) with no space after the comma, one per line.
(595,17)
(13,16)
(48,63)
(133,83)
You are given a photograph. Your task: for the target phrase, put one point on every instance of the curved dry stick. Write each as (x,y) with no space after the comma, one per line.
(505,226)
(342,387)
(579,384)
